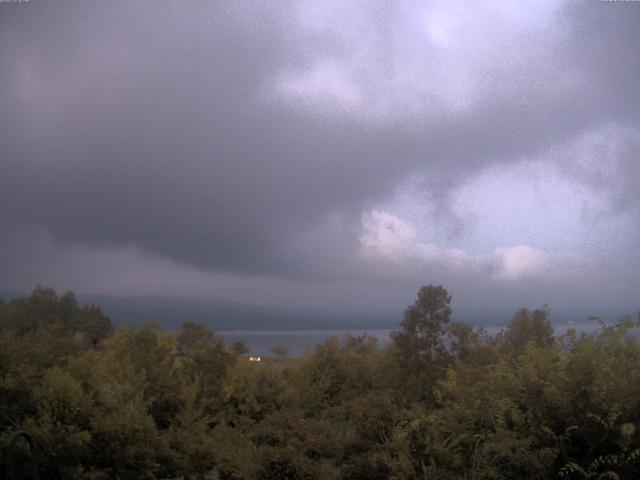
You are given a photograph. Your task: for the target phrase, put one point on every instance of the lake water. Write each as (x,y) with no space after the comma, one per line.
(260,342)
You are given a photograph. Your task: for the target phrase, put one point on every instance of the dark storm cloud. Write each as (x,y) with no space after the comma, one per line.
(154,125)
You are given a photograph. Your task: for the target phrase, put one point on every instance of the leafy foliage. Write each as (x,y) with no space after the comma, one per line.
(443,401)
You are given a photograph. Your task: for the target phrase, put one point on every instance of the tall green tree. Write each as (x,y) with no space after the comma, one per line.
(529,326)
(419,345)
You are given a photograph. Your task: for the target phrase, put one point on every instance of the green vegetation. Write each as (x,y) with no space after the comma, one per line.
(442,401)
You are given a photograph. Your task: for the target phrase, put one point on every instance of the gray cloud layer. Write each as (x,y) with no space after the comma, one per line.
(246,140)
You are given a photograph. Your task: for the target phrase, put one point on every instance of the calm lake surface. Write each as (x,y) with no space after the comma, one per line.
(260,342)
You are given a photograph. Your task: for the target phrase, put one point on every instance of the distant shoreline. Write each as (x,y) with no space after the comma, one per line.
(260,342)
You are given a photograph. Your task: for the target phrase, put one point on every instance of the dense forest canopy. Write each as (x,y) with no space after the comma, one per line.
(443,401)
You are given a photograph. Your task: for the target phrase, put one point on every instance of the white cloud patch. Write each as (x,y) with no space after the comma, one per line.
(326,81)
(390,241)
(521,261)
(387,236)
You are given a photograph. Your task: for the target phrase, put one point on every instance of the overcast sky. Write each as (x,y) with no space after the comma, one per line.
(330,155)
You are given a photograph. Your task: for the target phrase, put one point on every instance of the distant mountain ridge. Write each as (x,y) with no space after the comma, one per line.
(219,314)
(8,295)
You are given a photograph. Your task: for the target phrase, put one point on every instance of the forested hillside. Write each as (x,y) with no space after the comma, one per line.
(442,401)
